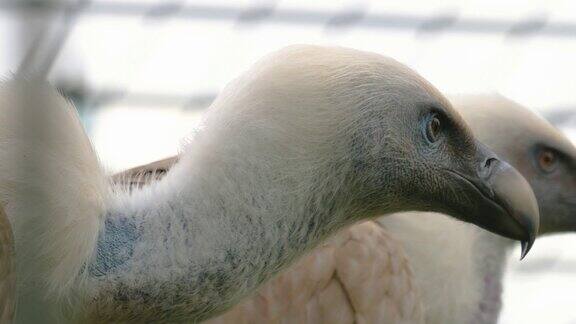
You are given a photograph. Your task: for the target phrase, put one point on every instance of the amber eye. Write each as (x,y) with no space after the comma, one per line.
(547,160)
(433,128)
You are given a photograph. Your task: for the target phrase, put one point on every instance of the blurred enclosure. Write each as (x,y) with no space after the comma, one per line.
(142,71)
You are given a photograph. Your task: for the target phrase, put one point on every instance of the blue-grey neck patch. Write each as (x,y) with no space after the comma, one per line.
(115,245)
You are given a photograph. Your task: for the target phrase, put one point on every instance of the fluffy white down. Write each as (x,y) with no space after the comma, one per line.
(41,159)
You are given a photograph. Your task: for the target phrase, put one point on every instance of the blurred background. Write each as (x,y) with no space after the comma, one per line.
(141,72)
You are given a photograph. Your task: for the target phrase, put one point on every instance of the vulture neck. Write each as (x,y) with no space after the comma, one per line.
(459,261)
(219,226)
(491,253)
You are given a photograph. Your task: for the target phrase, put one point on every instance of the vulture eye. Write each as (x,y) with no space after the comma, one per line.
(547,160)
(433,128)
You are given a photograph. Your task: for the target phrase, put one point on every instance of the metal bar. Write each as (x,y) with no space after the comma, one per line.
(50,36)
(451,23)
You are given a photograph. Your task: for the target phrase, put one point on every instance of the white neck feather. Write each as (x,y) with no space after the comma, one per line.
(216,225)
(234,210)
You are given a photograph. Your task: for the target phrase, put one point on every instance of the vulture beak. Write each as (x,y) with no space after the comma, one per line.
(514,194)
(506,204)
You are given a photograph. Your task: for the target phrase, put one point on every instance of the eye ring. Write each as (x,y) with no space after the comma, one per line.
(547,160)
(433,128)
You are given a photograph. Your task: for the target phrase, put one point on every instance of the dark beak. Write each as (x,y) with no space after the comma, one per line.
(514,194)
(506,204)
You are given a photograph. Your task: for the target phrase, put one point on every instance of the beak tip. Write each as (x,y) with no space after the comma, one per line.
(526,246)
(527,243)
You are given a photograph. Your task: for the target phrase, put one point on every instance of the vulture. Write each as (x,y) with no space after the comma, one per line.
(305,143)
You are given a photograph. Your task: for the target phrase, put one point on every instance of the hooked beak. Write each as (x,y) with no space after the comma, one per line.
(506,203)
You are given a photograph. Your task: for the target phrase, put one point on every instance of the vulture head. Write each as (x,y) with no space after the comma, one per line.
(545,157)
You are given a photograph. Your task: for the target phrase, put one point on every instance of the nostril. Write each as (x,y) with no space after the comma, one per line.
(488,167)
(489,162)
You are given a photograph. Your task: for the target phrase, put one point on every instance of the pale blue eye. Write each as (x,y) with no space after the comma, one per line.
(432,128)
